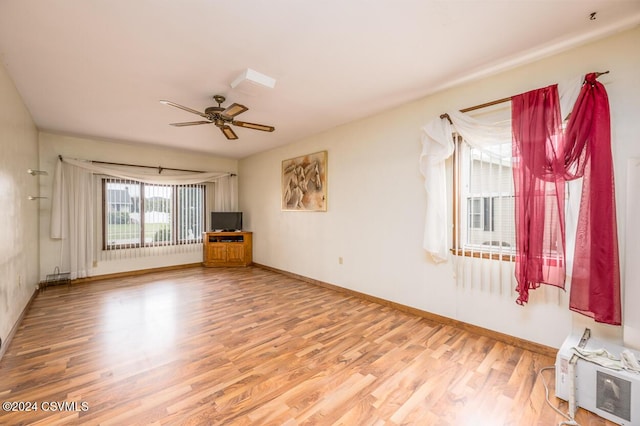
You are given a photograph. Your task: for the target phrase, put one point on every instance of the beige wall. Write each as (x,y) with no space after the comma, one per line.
(376,200)
(18,216)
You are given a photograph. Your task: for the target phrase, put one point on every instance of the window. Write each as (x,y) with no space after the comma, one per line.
(144,215)
(484,217)
(476,212)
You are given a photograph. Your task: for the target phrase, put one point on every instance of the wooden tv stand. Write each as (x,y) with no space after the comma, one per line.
(227,249)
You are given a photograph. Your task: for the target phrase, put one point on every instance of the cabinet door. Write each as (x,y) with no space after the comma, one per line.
(217,252)
(235,253)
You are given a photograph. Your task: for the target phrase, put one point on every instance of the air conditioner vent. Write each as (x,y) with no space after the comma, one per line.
(613,395)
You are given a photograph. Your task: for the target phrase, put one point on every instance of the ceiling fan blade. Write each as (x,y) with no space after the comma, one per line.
(189,123)
(193,111)
(228,132)
(254,126)
(233,110)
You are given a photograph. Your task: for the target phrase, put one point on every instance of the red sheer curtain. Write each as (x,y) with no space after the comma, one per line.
(544,158)
(595,284)
(539,190)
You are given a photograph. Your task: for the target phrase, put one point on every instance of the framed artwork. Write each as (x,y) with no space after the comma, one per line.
(304,183)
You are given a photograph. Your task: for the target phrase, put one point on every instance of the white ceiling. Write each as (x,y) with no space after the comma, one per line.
(99,67)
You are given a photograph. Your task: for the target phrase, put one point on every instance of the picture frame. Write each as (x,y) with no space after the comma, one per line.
(304,183)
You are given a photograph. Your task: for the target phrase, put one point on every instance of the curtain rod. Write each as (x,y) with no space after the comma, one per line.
(159,168)
(496,102)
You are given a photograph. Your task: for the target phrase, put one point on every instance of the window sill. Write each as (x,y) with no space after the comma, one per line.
(151,246)
(507,257)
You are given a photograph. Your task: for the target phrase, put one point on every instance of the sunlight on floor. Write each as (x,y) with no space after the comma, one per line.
(141,324)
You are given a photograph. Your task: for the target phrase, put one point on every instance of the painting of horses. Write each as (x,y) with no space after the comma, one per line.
(304,183)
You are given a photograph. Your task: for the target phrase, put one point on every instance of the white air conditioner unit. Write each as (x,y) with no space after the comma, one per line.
(611,394)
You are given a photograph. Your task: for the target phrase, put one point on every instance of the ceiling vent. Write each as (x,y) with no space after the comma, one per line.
(251,82)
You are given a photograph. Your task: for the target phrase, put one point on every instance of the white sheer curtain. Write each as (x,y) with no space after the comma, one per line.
(226,194)
(438,146)
(73,209)
(72,218)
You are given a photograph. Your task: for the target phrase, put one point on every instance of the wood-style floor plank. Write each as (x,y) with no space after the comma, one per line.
(249,346)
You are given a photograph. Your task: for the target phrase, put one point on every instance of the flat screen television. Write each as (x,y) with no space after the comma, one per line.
(226,221)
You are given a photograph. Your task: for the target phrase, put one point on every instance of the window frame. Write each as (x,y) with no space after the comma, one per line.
(458,247)
(475,212)
(174,215)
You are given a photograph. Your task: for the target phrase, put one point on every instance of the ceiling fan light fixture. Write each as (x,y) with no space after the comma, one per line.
(220,116)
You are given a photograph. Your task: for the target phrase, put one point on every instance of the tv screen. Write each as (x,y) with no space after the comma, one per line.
(226,221)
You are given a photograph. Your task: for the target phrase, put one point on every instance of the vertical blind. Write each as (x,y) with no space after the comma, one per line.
(142,219)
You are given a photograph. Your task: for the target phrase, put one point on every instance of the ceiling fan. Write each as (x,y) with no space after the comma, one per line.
(221,117)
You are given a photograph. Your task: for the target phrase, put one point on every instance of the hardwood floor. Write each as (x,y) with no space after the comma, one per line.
(249,346)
